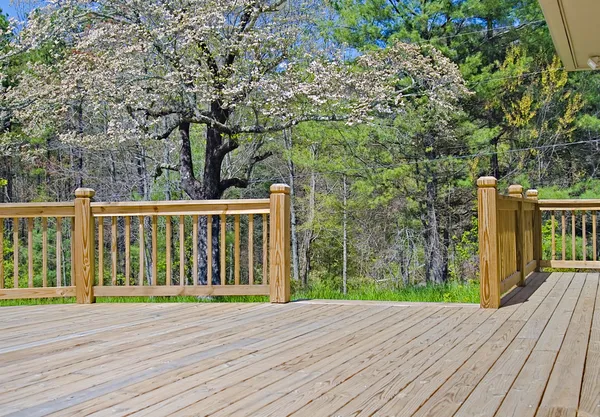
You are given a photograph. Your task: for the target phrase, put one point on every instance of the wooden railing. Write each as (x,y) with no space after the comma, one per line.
(577,242)
(514,230)
(509,239)
(131,248)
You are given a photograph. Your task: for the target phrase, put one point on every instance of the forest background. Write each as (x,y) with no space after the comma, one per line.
(382,202)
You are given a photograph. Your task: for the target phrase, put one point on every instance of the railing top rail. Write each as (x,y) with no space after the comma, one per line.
(178,208)
(570,204)
(512,198)
(27,210)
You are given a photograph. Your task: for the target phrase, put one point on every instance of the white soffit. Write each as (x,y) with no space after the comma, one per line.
(575,29)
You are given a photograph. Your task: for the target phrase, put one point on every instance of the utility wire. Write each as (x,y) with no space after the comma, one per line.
(451,158)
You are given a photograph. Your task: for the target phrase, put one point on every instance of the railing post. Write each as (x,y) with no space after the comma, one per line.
(84,250)
(516,191)
(537,229)
(489,266)
(279,248)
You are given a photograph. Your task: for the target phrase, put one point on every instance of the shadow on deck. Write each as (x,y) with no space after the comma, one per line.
(538,355)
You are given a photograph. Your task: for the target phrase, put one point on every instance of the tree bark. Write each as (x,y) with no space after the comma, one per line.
(345,238)
(287,136)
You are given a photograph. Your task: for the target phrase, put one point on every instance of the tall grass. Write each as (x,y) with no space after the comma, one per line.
(447,293)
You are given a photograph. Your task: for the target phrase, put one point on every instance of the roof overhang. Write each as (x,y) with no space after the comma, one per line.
(574,26)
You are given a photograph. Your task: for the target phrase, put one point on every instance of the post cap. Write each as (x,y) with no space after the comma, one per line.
(515,190)
(487,182)
(280,189)
(533,194)
(84,193)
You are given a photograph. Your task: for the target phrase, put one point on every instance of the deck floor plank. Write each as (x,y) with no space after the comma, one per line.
(539,353)
(589,401)
(561,396)
(485,376)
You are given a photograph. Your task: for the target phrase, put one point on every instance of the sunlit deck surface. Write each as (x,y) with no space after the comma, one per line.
(538,355)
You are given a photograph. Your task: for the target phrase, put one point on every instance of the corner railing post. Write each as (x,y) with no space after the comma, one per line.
(537,229)
(83,248)
(279,248)
(516,191)
(488,242)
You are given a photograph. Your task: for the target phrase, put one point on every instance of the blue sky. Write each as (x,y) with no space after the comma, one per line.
(7,8)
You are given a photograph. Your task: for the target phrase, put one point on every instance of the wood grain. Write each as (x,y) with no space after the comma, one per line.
(84,254)
(2,253)
(182,277)
(209,250)
(113,250)
(251,249)
(154,250)
(30,252)
(223,246)
(100,251)
(127,250)
(44,252)
(280,256)
(265,250)
(142,244)
(168,243)
(59,263)
(489,263)
(195,250)
(236,257)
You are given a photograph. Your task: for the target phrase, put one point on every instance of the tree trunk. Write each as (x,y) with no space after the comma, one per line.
(434,262)
(210,189)
(345,238)
(287,136)
(309,234)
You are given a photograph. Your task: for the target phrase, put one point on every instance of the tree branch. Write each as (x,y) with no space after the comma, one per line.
(161,167)
(243,182)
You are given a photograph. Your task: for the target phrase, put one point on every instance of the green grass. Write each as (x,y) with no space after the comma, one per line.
(37,301)
(447,293)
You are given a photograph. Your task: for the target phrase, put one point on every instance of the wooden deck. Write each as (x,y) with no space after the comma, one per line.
(539,355)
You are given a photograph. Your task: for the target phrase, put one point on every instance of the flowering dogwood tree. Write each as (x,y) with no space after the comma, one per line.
(130,70)
(137,69)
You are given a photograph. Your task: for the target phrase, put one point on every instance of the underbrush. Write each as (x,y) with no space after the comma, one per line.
(452,292)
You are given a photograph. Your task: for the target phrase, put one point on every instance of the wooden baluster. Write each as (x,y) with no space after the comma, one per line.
(250,249)
(83,241)
(154,250)
(537,229)
(195,249)
(127,250)
(1,253)
(113,250)
(182,250)
(553,236)
(209,255)
(564,236)
(594,255)
(237,249)
(59,251)
(265,227)
(44,252)
(583,236)
(30,252)
(280,244)
(142,244)
(72,250)
(573,250)
(222,248)
(169,234)
(100,251)
(516,191)
(15,252)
